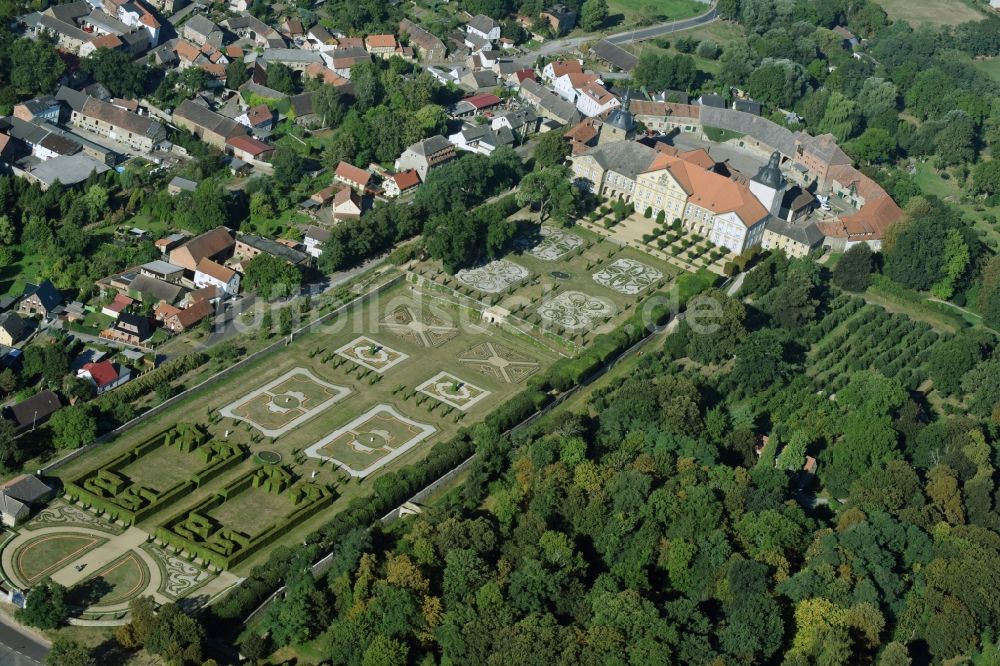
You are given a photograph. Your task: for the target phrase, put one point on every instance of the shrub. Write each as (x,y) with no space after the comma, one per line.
(661,217)
(649,212)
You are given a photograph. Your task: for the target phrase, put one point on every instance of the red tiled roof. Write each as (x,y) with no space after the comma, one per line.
(406,179)
(353,174)
(120,303)
(248,144)
(560,67)
(259,114)
(483,100)
(103,373)
(380,41)
(234,51)
(215,270)
(186,50)
(109,41)
(350,43)
(525,75)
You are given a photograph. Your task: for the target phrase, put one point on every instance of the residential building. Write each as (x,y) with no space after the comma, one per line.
(46,107)
(250,27)
(481,139)
(209,126)
(593,99)
(13,329)
(129,329)
(521,122)
(795,239)
(569,85)
(347,204)
(352,176)
(248,148)
(549,104)
(343,59)
(747,106)
(561,19)
(425,155)
(319,38)
(199,30)
(314,238)
(481,80)
(382,46)
(217,244)
(34,411)
(163,270)
(557,68)
(141,133)
(665,117)
(118,305)
(483,27)
(295,59)
(208,273)
(818,155)
(427,46)
(474,105)
(168,243)
(148,289)
(19,495)
(105,375)
(41,300)
(399,183)
(178,320)
(249,246)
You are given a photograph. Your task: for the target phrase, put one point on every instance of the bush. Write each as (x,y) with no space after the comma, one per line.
(708,49)
(661,217)
(649,212)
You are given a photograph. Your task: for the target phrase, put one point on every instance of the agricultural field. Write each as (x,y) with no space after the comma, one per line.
(933,12)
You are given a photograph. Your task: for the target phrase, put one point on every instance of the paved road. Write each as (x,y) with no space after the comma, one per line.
(18,647)
(555,46)
(663,28)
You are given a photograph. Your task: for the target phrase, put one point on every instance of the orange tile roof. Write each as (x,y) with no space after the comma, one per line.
(353,174)
(710,190)
(164,310)
(598,93)
(109,41)
(849,178)
(350,43)
(329,76)
(869,223)
(214,69)
(234,51)
(215,270)
(248,144)
(581,79)
(406,179)
(560,67)
(380,41)
(186,50)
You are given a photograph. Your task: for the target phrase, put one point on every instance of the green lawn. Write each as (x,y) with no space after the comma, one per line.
(931,181)
(48,553)
(623,13)
(720,32)
(253,510)
(988,66)
(162,468)
(117,582)
(13,277)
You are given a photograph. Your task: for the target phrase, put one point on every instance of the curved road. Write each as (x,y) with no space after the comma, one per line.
(555,46)
(663,28)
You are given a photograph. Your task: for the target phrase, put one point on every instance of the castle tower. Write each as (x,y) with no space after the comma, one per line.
(769,185)
(620,125)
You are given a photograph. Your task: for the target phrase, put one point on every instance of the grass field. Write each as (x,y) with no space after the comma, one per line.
(930,181)
(934,12)
(252,510)
(118,581)
(989,67)
(162,468)
(46,554)
(720,32)
(624,12)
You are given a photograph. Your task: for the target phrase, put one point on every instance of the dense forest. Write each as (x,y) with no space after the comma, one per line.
(809,481)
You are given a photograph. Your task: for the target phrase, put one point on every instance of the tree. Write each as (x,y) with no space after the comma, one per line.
(875,146)
(285,321)
(236,74)
(329,105)
(954,262)
(271,277)
(549,190)
(77,389)
(116,70)
(45,606)
(982,387)
(7,230)
(281,78)
(593,14)
(760,360)
(716,327)
(384,651)
(73,427)
(551,149)
(288,167)
(853,271)
(65,652)
(985,178)
(173,635)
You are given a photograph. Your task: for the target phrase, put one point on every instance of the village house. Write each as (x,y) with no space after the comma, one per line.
(425,155)
(398,183)
(794,239)
(560,18)
(352,176)
(314,238)
(248,148)
(209,273)
(209,126)
(251,28)
(128,329)
(105,375)
(40,300)
(593,99)
(217,245)
(558,68)
(13,329)
(148,289)
(295,59)
(179,184)
(178,320)
(34,411)
(19,496)
(140,133)
(427,46)
(382,46)
(249,246)
(347,205)
(118,305)
(163,270)
(199,30)
(46,107)
(483,27)
(548,103)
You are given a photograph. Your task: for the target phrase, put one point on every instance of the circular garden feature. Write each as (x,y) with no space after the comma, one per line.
(268,457)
